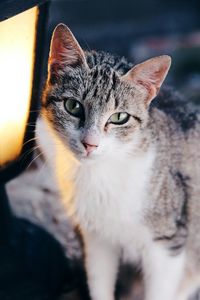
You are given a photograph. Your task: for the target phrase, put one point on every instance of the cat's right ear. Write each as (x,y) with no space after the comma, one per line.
(150,74)
(65,52)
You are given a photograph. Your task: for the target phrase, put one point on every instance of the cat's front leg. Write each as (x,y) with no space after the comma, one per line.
(163,273)
(101,260)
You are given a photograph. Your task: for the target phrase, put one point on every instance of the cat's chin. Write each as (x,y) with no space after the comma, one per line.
(87,158)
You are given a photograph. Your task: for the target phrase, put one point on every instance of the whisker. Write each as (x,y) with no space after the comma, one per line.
(86,44)
(30,131)
(34,160)
(30,140)
(28,152)
(44,164)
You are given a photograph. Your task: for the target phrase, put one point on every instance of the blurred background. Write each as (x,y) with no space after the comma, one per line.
(137,30)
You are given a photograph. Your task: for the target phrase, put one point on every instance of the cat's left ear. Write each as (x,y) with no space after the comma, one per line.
(65,51)
(150,74)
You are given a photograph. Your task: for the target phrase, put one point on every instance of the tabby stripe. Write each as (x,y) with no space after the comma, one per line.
(115,80)
(137,119)
(108,95)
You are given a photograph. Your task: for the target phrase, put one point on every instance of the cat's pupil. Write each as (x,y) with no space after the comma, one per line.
(74,108)
(119,118)
(72,105)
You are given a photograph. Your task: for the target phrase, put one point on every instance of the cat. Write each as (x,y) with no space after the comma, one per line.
(128,168)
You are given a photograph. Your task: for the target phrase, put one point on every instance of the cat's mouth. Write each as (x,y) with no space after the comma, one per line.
(88,155)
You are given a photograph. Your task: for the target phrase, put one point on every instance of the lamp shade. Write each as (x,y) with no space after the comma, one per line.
(21,28)
(16,62)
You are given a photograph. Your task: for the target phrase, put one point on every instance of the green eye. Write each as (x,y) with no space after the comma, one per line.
(74,108)
(119,118)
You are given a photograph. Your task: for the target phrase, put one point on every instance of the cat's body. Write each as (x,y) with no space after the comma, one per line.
(133,191)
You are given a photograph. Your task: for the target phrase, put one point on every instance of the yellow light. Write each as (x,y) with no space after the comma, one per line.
(17,43)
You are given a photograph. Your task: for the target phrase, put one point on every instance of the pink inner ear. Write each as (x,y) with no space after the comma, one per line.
(148,86)
(150,74)
(56,52)
(65,50)
(62,54)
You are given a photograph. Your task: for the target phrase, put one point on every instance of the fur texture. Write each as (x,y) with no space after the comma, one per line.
(135,197)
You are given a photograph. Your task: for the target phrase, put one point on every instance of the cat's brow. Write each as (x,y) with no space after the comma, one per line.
(111,85)
(95,90)
(115,80)
(116,102)
(108,95)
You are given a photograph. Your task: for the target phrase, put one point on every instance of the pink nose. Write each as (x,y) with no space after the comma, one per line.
(89,148)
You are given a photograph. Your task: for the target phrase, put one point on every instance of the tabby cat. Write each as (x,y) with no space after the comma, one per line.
(128,169)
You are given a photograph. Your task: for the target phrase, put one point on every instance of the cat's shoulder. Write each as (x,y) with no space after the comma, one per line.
(185,114)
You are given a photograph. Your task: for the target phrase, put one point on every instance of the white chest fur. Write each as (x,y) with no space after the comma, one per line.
(110,198)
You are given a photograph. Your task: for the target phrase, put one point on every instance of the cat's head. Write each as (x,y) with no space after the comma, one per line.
(94,105)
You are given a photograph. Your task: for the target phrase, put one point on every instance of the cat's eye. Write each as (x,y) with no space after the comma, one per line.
(119,118)
(74,108)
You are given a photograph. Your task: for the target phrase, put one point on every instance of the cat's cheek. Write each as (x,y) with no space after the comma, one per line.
(77,148)
(131,132)
(107,147)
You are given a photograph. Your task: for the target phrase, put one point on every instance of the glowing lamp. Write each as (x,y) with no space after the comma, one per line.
(21,27)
